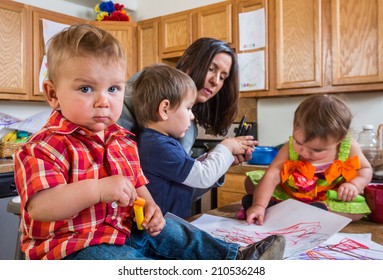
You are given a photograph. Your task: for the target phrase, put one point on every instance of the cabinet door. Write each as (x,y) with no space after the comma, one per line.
(246,6)
(298,43)
(357,41)
(15,51)
(233,189)
(39,49)
(214,21)
(147,39)
(175,32)
(126,33)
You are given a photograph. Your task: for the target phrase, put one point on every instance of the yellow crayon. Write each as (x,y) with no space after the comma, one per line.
(138,207)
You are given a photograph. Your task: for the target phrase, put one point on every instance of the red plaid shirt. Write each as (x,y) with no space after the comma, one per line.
(62,153)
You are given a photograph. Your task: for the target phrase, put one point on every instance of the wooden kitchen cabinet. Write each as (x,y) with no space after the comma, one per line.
(175,34)
(298,40)
(357,41)
(39,49)
(214,21)
(126,33)
(23,48)
(245,6)
(232,191)
(177,31)
(147,41)
(322,46)
(15,51)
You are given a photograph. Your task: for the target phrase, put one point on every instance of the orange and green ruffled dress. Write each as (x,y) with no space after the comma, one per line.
(309,183)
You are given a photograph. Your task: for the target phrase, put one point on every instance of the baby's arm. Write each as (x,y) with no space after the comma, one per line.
(209,168)
(153,222)
(66,200)
(265,188)
(348,191)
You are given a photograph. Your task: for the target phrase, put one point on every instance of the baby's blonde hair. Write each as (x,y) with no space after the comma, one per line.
(82,40)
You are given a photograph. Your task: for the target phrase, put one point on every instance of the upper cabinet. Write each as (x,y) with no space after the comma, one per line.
(15,51)
(247,6)
(177,31)
(23,49)
(39,50)
(298,41)
(214,21)
(324,46)
(126,33)
(147,41)
(357,41)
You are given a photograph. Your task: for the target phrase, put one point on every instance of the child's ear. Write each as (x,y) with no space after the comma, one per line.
(163,109)
(50,94)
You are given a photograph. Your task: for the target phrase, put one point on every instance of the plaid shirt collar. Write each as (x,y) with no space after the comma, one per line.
(57,123)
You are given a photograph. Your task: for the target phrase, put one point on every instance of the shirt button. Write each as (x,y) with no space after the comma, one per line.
(82,132)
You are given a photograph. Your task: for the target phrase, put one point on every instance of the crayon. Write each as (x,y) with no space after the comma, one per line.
(334,195)
(138,207)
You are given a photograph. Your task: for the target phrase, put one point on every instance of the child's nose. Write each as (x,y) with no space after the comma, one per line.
(102,100)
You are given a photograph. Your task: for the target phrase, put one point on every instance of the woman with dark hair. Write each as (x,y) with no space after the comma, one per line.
(202,61)
(213,67)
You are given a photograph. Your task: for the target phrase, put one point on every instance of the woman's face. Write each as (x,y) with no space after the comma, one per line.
(216,75)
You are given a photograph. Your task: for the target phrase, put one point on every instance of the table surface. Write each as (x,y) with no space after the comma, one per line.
(362,226)
(6,165)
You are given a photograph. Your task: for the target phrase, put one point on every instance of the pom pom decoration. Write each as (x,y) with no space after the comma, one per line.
(108,11)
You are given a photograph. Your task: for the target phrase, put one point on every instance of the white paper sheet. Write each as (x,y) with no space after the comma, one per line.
(304,227)
(50,28)
(34,123)
(345,246)
(252,70)
(252,30)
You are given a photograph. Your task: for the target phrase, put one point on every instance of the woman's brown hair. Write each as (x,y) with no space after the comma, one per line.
(219,112)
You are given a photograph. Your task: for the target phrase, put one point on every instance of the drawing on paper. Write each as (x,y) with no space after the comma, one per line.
(304,228)
(346,249)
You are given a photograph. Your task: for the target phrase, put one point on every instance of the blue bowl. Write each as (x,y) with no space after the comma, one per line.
(263,155)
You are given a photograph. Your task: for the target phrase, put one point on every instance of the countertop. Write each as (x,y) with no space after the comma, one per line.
(245,167)
(6,165)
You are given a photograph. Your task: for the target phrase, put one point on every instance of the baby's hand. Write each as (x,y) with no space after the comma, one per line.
(255,214)
(239,145)
(347,192)
(154,221)
(117,188)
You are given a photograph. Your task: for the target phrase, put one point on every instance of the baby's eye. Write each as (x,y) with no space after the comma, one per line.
(86,89)
(113,89)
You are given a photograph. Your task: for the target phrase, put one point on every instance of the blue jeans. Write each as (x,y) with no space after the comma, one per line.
(175,242)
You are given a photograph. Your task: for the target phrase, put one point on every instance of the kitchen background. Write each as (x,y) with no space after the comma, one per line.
(274,114)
